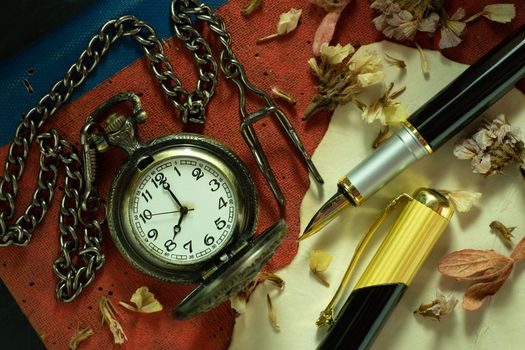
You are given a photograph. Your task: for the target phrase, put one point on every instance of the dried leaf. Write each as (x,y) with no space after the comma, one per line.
(476,294)
(474,265)
(144,300)
(504,232)
(438,308)
(272,315)
(108,312)
(80,335)
(518,253)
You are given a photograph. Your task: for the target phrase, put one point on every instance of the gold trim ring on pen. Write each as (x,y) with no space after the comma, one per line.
(350,190)
(418,136)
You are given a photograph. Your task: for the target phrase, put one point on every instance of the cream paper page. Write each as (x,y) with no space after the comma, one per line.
(497,325)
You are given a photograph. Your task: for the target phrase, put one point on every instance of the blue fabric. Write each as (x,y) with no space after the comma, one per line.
(51,56)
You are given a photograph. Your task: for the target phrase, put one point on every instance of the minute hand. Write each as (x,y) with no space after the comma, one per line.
(430,126)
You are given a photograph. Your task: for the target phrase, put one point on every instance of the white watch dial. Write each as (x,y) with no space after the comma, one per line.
(183,209)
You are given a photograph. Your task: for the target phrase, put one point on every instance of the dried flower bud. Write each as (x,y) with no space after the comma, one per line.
(144,300)
(504,232)
(272,315)
(492,147)
(383,135)
(251,7)
(437,308)
(288,21)
(284,96)
(386,109)
(319,262)
(108,312)
(80,336)
(462,200)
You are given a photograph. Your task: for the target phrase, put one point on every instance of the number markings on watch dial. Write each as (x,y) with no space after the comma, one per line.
(183,210)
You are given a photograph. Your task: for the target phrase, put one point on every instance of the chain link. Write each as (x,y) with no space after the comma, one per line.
(81,208)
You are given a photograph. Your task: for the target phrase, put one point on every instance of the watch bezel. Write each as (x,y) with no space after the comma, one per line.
(211,151)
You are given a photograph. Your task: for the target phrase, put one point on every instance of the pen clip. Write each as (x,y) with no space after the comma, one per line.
(327,315)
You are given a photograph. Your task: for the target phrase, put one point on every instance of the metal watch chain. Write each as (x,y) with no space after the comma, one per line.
(81,208)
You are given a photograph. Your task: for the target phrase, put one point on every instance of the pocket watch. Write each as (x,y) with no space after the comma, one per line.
(183,208)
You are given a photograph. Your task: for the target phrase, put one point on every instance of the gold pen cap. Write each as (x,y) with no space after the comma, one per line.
(409,241)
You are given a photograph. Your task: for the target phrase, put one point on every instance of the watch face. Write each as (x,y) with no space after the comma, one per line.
(183,208)
(179,206)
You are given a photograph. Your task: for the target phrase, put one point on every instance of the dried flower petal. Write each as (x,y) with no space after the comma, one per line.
(422,59)
(108,312)
(438,308)
(383,135)
(335,54)
(325,31)
(144,300)
(474,265)
(462,200)
(251,7)
(492,147)
(272,315)
(476,294)
(386,109)
(518,253)
(504,232)
(395,61)
(284,96)
(319,262)
(288,21)
(502,13)
(80,335)
(452,29)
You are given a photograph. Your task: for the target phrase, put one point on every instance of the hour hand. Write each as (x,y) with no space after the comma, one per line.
(167,187)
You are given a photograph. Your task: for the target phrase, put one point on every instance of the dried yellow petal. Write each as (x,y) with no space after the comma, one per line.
(144,300)
(272,315)
(108,312)
(288,21)
(319,262)
(438,308)
(462,200)
(502,13)
(80,335)
(335,54)
(251,7)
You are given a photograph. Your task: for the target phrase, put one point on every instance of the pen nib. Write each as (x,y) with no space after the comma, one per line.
(325,214)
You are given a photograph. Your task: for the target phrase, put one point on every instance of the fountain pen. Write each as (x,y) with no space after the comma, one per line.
(429,127)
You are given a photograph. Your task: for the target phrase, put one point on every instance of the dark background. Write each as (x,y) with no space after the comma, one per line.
(24,21)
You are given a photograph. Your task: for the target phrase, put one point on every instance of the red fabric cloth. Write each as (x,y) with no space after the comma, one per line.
(282,63)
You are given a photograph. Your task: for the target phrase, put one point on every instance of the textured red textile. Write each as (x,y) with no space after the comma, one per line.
(282,63)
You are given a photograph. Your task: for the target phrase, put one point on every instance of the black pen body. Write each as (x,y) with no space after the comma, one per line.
(440,118)
(475,90)
(362,317)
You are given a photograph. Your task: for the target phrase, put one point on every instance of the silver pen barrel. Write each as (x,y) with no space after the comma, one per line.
(402,149)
